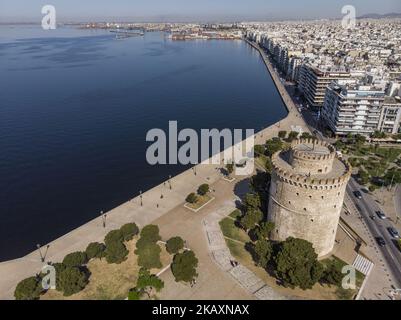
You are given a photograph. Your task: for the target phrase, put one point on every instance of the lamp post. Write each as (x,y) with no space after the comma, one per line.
(169,181)
(42,257)
(104,216)
(140,195)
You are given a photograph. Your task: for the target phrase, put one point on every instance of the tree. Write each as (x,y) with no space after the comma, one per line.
(95,250)
(28,289)
(273,145)
(332,274)
(129,230)
(263,250)
(269,165)
(59,268)
(363,177)
(259,149)
(113,236)
(184,266)
(175,244)
(282,134)
(263,230)
(292,136)
(147,281)
(203,189)
(149,256)
(251,218)
(115,252)
(135,294)
(252,201)
(296,264)
(150,233)
(75,259)
(307,135)
(229,168)
(191,198)
(72,280)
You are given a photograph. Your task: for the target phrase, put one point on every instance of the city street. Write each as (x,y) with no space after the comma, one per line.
(378,228)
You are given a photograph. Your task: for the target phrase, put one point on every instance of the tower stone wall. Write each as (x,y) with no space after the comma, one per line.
(306,193)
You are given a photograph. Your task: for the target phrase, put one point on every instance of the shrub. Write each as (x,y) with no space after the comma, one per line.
(191,198)
(129,230)
(174,245)
(75,259)
(28,289)
(332,274)
(184,266)
(116,252)
(95,250)
(203,189)
(134,294)
(282,134)
(147,280)
(113,236)
(72,280)
(59,268)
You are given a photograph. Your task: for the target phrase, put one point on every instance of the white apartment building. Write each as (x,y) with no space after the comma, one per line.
(353,108)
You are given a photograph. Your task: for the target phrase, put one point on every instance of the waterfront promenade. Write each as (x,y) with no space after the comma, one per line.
(159,203)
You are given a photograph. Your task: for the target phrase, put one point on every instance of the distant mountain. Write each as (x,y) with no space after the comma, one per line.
(380,16)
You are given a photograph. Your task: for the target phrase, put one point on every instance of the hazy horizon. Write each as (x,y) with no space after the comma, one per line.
(18,11)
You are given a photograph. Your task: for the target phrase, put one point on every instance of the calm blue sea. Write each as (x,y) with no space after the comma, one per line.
(75,106)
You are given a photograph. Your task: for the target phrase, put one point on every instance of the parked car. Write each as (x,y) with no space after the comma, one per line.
(381,215)
(394,233)
(358,194)
(372,217)
(380,241)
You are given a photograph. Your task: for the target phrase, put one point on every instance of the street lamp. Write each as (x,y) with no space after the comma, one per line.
(42,257)
(169,181)
(104,216)
(140,195)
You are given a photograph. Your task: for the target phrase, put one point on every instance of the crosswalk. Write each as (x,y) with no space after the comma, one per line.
(363,264)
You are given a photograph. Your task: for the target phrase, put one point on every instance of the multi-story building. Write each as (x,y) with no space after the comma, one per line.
(390,117)
(353,108)
(314,81)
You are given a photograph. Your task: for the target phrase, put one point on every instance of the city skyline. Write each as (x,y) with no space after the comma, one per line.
(179,10)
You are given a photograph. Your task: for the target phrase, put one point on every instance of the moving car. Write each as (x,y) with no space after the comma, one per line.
(358,194)
(380,241)
(381,215)
(394,233)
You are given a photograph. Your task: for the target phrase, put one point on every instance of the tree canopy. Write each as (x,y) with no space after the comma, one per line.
(174,244)
(184,266)
(28,289)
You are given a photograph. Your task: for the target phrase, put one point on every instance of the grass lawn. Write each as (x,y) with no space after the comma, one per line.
(230,230)
(345,294)
(202,200)
(110,281)
(235,214)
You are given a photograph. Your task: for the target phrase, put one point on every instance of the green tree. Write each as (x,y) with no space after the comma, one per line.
(75,259)
(269,165)
(229,168)
(292,136)
(150,233)
(149,256)
(115,252)
(332,274)
(174,244)
(95,250)
(273,145)
(147,281)
(282,134)
(251,218)
(135,294)
(28,289)
(203,189)
(263,250)
(363,177)
(72,280)
(259,149)
(252,201)
(263,230)
(297,265)
(191,198)
(59,268)
(129,230)
(113,236)
(184,266)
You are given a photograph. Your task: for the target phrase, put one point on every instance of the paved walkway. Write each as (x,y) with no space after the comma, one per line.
(222,256)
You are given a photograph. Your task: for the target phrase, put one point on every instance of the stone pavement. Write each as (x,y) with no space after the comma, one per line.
(222,256)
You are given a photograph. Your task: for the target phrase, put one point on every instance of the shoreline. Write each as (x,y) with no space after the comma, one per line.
(154,206)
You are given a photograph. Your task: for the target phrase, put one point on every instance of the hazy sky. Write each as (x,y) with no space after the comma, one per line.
(164,10)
